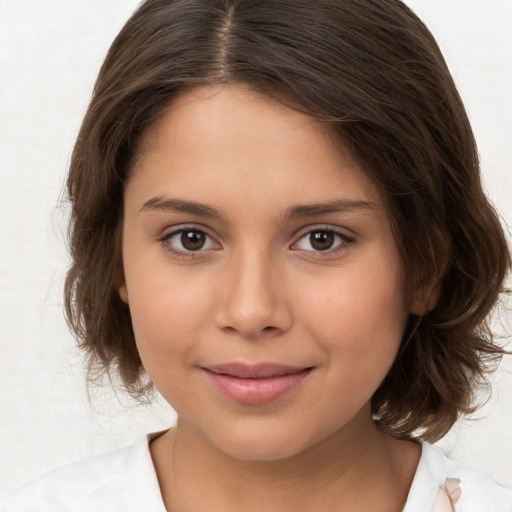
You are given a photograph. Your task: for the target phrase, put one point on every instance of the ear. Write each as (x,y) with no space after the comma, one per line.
(425,298)
(120,286)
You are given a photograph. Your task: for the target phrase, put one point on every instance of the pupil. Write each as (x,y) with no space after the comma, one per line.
(192,240)
(322,240)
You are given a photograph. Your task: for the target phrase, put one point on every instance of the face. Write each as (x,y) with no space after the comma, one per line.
(263,280)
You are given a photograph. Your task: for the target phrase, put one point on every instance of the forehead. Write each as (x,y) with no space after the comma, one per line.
(211,107)
(239,138)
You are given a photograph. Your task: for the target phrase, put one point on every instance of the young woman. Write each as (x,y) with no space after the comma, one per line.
(278,222)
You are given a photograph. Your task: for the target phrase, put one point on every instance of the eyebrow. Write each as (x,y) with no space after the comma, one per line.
(181,206)
(302,210)
(336,206)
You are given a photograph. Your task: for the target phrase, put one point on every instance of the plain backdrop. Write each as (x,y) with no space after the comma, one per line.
(50,52)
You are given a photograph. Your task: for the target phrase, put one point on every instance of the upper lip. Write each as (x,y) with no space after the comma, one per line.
(254,371)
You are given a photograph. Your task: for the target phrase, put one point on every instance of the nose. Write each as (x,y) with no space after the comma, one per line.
(253,297)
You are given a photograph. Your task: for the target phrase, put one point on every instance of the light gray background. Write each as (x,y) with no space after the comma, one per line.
(50,52)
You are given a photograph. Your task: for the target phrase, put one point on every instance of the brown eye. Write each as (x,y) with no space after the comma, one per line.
(322,240)
(188,240)
(193,240)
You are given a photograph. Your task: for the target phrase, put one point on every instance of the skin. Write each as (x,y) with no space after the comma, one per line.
(257,291)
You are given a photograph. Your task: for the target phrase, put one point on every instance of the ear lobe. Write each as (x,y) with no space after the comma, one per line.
(123,293)
(120,286)
(425,299)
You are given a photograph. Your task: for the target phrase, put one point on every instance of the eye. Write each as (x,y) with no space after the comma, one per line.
(322,240)
(188,240)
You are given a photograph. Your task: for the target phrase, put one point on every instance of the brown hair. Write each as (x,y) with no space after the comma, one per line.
(373,71)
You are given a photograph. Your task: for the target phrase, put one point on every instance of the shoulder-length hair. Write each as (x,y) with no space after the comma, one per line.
(374,73)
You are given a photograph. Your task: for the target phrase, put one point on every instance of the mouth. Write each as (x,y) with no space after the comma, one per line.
(256,384)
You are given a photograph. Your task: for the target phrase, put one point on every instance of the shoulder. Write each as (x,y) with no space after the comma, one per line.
(122,480)
(436,472)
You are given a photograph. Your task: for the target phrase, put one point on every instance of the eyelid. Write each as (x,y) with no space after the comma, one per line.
(170,232)
(347,238)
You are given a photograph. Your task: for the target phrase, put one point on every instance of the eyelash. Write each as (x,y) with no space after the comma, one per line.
(341,241)
(165,241)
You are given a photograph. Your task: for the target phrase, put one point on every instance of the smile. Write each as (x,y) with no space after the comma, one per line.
(255,384)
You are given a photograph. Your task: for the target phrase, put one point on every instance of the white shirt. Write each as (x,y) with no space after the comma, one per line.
(125,481)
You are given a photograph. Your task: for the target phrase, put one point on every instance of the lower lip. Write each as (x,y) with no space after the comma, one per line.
(257,391)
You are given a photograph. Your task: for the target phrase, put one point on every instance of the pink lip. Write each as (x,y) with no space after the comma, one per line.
(255,384)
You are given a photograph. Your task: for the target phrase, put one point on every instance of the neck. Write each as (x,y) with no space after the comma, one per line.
(355,469)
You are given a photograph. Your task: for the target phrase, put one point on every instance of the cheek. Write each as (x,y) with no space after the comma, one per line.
(358,300)
(359,321)
(166,313)
(166,321)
